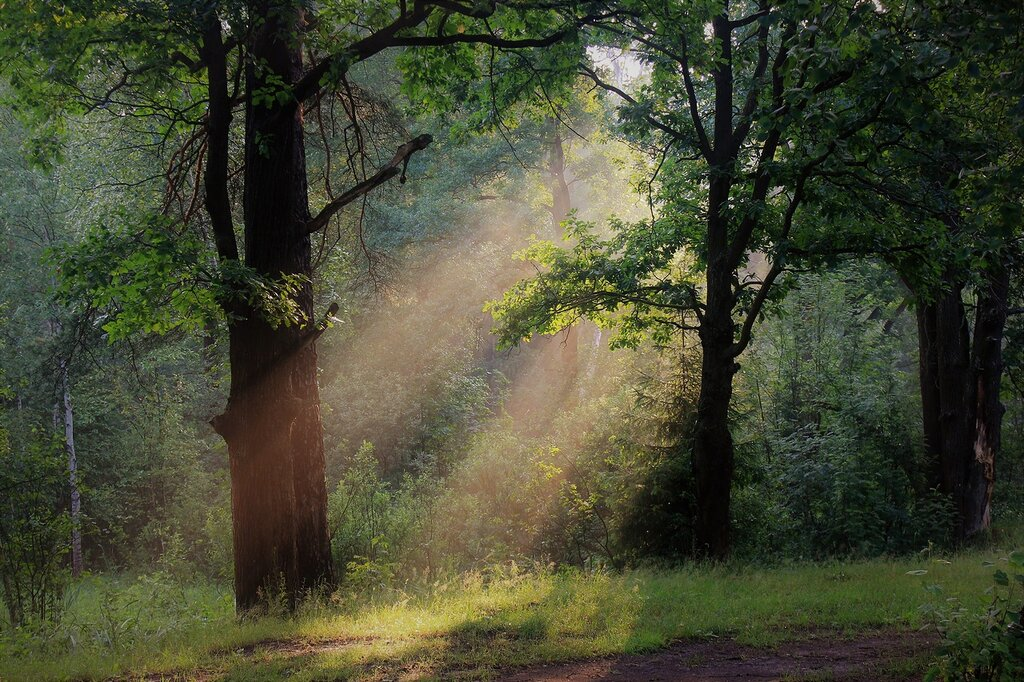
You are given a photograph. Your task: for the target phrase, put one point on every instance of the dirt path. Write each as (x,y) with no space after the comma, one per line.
(877,656)
(818,656)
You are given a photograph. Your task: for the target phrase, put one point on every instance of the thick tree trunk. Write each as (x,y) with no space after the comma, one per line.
(960,383)
(955,399)
(987,364)
(272,423)
(712,441)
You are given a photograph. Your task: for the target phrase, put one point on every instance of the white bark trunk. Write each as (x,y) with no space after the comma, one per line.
(76,498)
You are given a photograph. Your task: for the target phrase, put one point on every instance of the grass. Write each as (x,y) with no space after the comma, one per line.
(473,625)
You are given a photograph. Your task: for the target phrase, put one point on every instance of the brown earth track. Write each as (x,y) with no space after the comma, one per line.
(816,655)
(821,656)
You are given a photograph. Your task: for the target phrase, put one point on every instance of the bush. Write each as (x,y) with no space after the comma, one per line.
(35,529)
(985,646)
(108,614)
(831,427)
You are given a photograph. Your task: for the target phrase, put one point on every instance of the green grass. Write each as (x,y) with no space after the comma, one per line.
(475,625)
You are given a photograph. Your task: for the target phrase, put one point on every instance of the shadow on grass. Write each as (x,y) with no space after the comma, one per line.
(706,615)
(570,620)
(474,629)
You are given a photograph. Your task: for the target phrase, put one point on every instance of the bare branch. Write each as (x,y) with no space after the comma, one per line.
(778,265)
(691,95)
(389,170)
(590,73)
(740,23)
(480,39)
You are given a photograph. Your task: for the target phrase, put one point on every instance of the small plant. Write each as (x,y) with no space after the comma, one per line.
(34,529)
(987,646)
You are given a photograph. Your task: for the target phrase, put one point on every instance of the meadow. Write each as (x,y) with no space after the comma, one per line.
(480,624)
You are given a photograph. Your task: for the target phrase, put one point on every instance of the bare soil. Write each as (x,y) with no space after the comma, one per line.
(814,656)
(877,656)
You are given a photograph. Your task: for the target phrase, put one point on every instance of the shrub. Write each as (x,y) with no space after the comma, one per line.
(35,530)
(985,646)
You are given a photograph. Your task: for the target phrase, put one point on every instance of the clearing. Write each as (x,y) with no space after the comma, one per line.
(851,620)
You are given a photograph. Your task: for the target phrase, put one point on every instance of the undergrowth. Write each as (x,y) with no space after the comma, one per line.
(505,616)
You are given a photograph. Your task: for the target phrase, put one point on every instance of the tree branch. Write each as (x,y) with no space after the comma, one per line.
(377,41)
(388,36)
(778,265)
(481,39)
(746,114)
(218,130)
(592,75)
(749,19)
(389,170)
(691,96)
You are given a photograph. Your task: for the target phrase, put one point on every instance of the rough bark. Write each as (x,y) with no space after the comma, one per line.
(712,454)
(272,423)
(989,328)
(960,380)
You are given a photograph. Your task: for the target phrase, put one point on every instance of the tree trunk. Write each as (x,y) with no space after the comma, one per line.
(272,422)
(960,383)
(76,497)
(712,441)
(64,415)
(561,201)
(987,364)
(712,454)
(545,387)
(561,204)
(928,371)
(955,399)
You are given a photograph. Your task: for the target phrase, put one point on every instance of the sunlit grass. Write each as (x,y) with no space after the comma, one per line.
(474,625)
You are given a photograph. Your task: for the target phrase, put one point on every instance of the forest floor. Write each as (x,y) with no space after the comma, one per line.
(858,620)
(882,655)
(877,656)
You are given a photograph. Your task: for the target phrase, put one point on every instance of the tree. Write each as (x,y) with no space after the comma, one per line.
(747,107)
(974,168)
(184,69)
(951,186)
(32,223)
